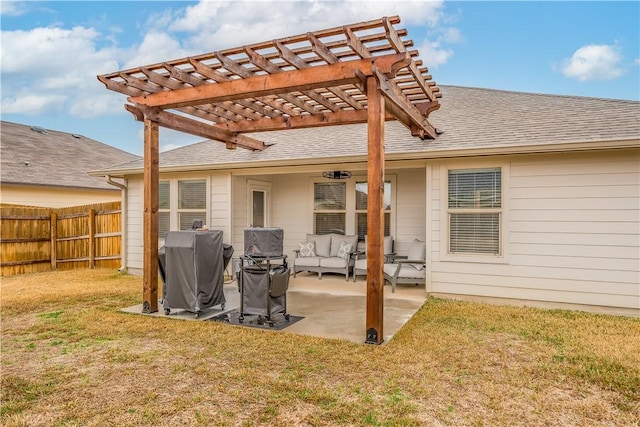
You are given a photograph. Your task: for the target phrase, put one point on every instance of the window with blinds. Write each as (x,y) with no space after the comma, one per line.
(192,203)
(329,207)
(361,209)
(475,210)
(164,208)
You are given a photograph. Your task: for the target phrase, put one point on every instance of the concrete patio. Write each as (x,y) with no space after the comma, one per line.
(331,307)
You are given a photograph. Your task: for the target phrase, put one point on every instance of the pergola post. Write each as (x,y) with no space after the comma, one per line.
(375,212)
(150,258)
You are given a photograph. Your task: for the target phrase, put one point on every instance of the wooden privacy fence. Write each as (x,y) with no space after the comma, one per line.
(36,239)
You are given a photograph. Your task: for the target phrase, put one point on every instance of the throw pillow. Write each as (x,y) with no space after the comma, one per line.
(307,249)
(345,249)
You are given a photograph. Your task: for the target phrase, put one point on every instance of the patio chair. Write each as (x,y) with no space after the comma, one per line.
(360,264)
(409,268)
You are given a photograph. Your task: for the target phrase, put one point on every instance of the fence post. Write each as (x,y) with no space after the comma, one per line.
(54,237)
(92,238)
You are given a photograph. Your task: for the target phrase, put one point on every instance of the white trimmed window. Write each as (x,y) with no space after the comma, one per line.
(192,203)
(475,211)
(341,206)
(164,208)
(329,207)
(180,202)
(361,209)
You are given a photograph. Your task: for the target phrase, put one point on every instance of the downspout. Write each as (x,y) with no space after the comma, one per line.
(123,218)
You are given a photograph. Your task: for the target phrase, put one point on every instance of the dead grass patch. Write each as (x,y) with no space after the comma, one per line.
(69,357)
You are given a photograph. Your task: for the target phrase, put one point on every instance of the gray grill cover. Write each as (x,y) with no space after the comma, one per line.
(257,282)
(194,269)
(263,241)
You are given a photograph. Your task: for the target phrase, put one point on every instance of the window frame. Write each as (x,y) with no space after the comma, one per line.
(315,211)
(350,206)
(174,210)
(357,211)
(445,215)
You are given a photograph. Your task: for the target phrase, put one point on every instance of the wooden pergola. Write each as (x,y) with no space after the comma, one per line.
(359,73)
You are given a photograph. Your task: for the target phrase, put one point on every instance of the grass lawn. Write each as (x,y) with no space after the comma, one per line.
(70,358)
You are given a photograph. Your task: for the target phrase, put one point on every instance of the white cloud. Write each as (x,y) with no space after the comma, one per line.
(433,55)
(155,47)
(220,24)
(54,68)
(594,62)
(11,8)
(31,104)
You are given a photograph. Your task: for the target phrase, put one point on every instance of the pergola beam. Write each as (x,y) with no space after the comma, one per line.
(344,117)
(287,81)
(406,112)
(194,127)
(218,77)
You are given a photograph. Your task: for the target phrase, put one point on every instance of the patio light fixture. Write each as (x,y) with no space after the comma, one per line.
(336,174)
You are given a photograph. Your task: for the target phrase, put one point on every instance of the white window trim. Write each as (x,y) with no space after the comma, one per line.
(503,257)
(349,222)
(350,207)
(173,202)
(391,178)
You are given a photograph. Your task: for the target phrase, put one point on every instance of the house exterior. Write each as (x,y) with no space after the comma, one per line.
(48,168)
(522,198)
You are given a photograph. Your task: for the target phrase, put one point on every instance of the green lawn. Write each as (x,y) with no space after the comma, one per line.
(70,358)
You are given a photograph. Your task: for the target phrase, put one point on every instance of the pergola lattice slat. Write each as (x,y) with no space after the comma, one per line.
(289,108)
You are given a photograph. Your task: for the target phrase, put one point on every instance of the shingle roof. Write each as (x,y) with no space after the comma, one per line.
(471,119)
(54,158)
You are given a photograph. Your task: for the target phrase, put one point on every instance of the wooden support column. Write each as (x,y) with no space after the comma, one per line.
(150,257)
(375,212)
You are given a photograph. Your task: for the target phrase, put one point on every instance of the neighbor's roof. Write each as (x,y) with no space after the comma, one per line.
(52,158)
(473,121)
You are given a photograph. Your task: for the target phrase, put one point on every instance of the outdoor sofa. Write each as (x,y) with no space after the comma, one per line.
(326,253)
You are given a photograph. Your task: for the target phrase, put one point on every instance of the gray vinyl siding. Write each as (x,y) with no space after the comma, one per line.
(573,234)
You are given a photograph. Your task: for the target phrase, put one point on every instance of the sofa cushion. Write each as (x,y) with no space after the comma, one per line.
(361,264)
(308,249)
(417,250)
(336,239)
(309,261)
(323,244)
(388,244)
(345,249)
(333,262)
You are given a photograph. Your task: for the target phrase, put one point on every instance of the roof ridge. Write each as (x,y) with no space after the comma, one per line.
(539,93)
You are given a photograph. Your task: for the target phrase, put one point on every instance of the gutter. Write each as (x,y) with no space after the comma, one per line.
(123,219)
